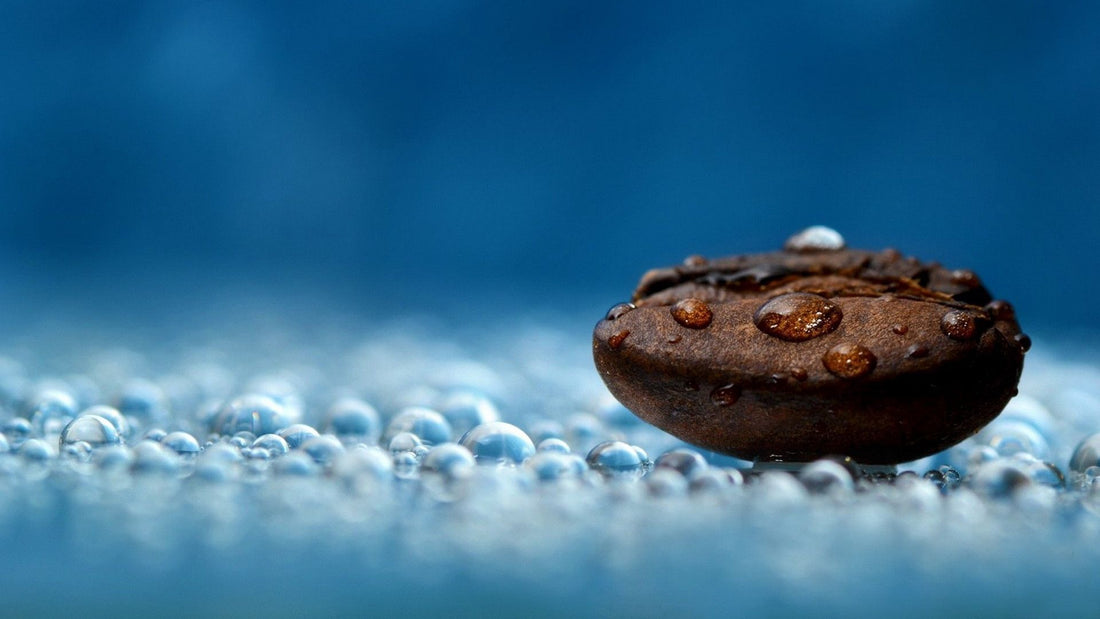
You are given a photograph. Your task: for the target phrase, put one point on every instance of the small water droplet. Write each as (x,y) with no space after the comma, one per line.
(616,340)
(618,311)
(815,238)
(616,459)
(959,325)
(692,313)
(1023,340)
(725,395)
(797,316)
(297,433)
(965,277)
(800,374)
(916,351)
(430,426)
(675,338)
(695,260)
(849,360)
(1001,310)
(182,443)
(900,329)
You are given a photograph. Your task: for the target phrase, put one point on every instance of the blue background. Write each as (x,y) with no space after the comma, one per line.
(550,150)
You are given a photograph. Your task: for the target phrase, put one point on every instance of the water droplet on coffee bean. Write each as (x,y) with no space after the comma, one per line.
(797,316)
(692,313)
(617,311)
(815,238)
(959,325)
(725,395)
(849,360)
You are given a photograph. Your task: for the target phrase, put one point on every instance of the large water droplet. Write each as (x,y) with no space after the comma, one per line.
(616,459)
(498,442)
(959,325)
(848,360)
(797,316)
(692,313)
(815,238)
(91,429)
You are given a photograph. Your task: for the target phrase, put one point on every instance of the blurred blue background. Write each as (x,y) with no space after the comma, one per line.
(556,150)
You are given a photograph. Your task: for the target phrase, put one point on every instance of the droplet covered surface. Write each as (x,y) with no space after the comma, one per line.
(814,351)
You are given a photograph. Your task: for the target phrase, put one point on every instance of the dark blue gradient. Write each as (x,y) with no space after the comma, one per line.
(562,146)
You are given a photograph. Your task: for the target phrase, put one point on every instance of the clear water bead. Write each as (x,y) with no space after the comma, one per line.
(498,442)
(352,419)
(686,462)
(51,411)
(93,430)
(274,444)
(430,426)
(112,414)
(258,414)
(323,449)
(297,433)
(616,459)
(826,476)
(182,443)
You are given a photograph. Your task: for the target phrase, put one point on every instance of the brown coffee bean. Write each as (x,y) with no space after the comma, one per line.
(812,351)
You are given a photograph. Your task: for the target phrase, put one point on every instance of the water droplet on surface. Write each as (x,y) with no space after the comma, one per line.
(616,459)
(725,395)
(154,459)
(466,409)
(429,425)
(498,442)
(826,476)
(616,340)
(1086,455)
(112,414)
(404,441)
(17,430)
(916,351)
(799,374)
(1023,341)
(686,462)
(797,316)
(959,325)
(258,414)
(182,443)
(900,329)
(815,238)
(296,434)
(848,360)
(692,313)
(323,449)
(449,460)
(51,411)
(553,444)
(93,430)
(274,444)
(37,450)
(1001,310)
(618,311)
(551,466)
(1000,478)
(353,419)
(965,277)
(674,338)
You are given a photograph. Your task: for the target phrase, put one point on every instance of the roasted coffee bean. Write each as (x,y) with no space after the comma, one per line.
(813,351)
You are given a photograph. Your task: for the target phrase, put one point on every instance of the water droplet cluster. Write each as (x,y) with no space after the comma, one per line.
(444,469)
